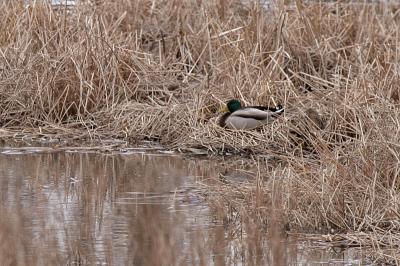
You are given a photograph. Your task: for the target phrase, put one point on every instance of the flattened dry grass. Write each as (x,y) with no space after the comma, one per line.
(160,70)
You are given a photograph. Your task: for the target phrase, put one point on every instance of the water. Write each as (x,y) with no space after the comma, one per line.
(130,208)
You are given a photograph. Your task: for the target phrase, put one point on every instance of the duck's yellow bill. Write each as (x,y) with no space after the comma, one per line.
(224,109)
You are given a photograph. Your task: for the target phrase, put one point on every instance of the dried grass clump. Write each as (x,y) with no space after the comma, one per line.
(160,70)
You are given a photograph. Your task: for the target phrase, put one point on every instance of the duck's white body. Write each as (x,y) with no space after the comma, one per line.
(251,117)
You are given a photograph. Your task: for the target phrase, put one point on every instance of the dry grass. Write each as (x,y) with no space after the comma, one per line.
(159,70)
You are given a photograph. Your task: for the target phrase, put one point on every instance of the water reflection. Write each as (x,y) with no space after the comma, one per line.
(123,209)
(101,208)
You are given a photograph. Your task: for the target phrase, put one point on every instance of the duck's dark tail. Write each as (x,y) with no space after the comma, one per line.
(278,109)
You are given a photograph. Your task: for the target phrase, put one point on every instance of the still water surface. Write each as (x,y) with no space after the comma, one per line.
(129,208)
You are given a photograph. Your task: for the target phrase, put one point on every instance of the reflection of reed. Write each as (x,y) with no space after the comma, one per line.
(154,238)
(74,201)
(88,208)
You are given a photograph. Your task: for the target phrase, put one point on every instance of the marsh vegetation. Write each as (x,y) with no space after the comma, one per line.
(160,70)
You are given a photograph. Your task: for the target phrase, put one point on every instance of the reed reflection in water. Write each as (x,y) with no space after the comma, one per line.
(73,208)
(94,208)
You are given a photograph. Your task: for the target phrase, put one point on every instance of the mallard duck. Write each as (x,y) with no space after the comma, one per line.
(238,117)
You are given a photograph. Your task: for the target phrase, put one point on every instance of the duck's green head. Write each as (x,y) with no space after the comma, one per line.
(232,106)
